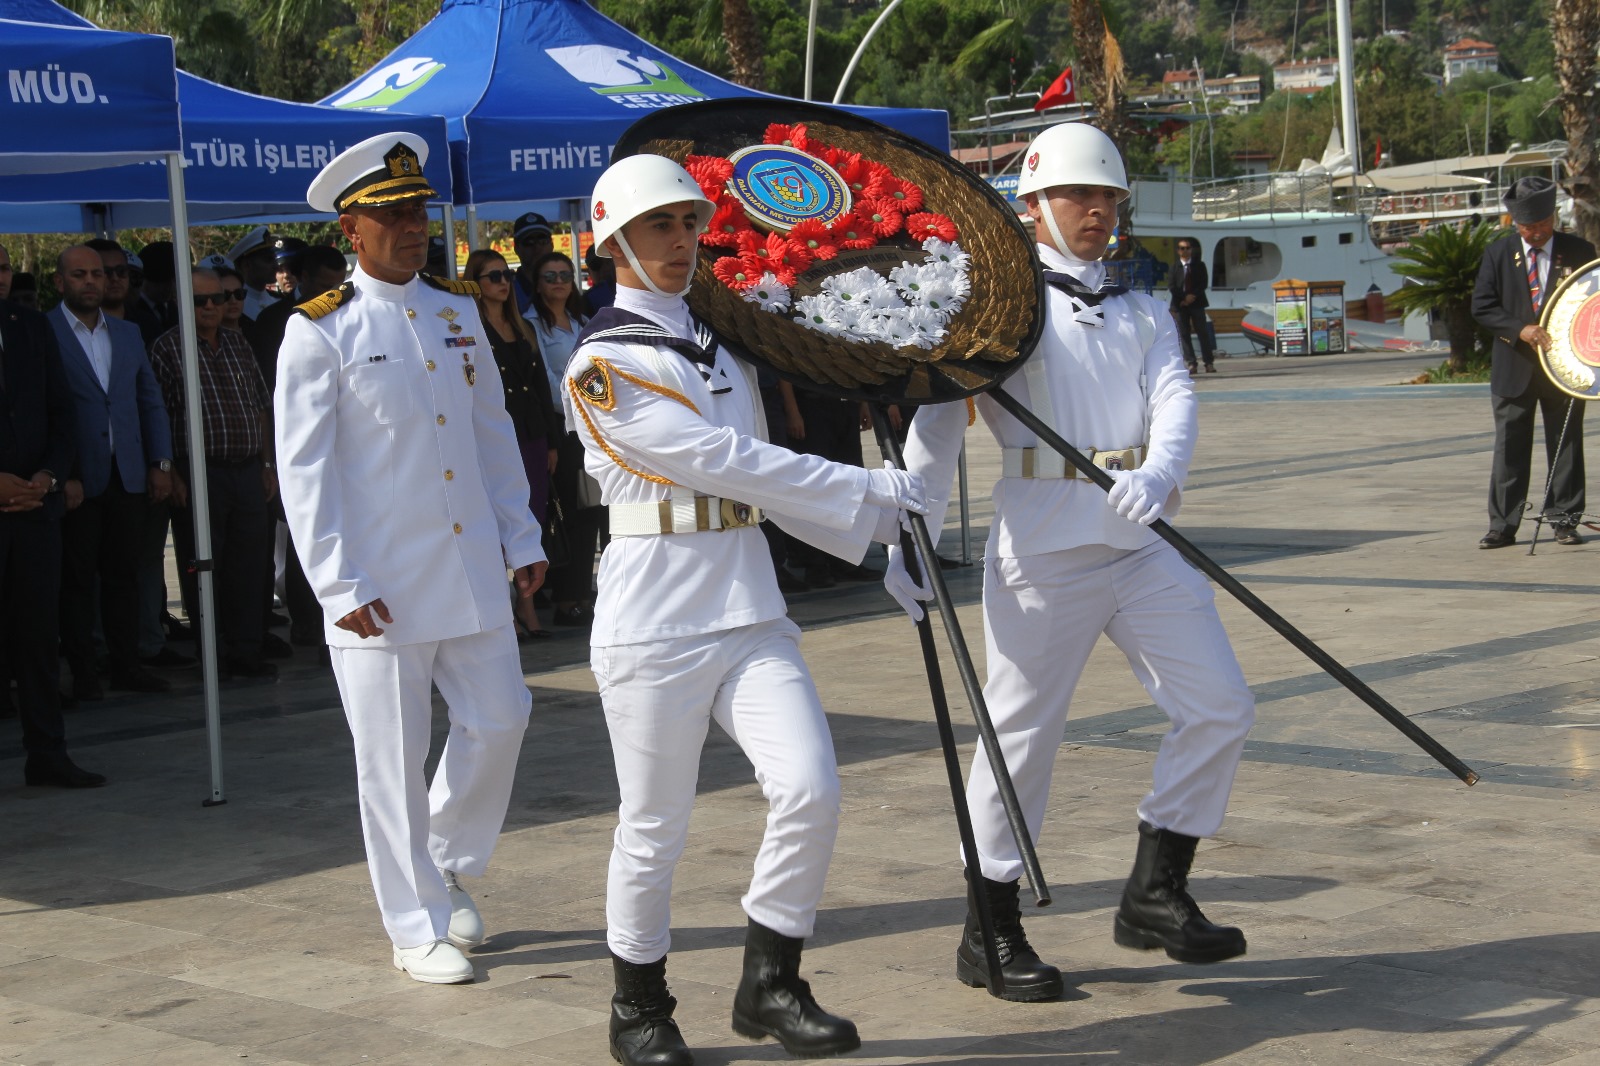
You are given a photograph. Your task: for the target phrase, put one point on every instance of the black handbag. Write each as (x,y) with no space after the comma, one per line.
(557,548)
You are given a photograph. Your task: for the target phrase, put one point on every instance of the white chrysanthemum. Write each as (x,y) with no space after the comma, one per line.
(770,293)
(819,313)
(947,305)
(880,294)
(926,320)
(949,252)
(909,278)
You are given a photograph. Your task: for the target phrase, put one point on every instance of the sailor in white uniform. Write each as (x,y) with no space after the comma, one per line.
(690,625)
(405,492)
(1066,562)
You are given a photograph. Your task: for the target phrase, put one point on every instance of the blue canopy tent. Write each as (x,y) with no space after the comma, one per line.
(536,92)
(246,158)
(82,98)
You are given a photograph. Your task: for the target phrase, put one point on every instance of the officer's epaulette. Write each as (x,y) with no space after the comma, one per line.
(460,288)
(329,301)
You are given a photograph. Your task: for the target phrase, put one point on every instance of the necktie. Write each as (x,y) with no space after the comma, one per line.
(1085,301)
(1534,289)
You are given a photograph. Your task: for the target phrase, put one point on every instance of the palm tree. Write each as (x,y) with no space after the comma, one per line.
(745,50)
(1441,268)
(1575,32)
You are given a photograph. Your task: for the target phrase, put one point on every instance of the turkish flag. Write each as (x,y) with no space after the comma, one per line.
(1062,91)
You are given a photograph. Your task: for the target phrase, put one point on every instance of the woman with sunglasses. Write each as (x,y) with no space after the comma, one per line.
(527,387)
(557,316)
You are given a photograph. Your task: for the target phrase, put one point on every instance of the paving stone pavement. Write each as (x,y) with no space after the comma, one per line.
(1394,915)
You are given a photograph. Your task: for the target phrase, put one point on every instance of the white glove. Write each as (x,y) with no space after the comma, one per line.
(906,592)
(896,489)
(1140,495)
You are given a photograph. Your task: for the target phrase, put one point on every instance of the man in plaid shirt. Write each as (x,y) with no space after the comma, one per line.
(239,473)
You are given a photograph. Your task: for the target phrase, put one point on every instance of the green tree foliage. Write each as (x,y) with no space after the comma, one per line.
(1441,267)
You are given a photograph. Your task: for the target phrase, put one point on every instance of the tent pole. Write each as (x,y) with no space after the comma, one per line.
(199,504)
(472,227)
(449,214)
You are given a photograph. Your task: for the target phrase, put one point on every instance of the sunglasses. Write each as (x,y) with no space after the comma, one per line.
(496,276)
(219,299)
(1185,247)
(555,276)
(117,272)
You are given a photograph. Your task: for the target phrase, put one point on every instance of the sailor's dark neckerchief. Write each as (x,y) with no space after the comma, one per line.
(1085,301)
(624,327)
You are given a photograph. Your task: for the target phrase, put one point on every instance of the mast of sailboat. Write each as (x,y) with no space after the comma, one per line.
(1347,85)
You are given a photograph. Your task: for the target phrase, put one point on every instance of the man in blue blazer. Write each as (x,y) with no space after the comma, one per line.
(124,456)
(1519,271)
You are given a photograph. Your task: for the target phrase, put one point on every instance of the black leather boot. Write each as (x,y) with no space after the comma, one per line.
(642,1030)
(774,1000)
(1027,978)
(1157,910)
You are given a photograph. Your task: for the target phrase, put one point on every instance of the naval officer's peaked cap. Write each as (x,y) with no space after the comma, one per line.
(380,170)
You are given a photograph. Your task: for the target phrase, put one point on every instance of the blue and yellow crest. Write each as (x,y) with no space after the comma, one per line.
(781,187)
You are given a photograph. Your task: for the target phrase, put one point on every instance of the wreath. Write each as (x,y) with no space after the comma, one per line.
(764,254)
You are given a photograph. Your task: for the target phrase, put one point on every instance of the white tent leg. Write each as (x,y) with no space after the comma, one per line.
(199,504)
(449,213)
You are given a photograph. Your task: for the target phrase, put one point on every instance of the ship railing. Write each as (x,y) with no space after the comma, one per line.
(1268,194)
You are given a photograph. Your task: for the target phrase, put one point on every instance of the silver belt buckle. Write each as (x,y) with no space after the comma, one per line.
(736,515)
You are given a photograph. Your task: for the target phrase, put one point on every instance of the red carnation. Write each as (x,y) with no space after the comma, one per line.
(880,216)
(853,231)
(863,175)
(726,226)
(736,272)
(794,136)
(902,192)
(783,257)
(710,172)
(927,224)
(814,237)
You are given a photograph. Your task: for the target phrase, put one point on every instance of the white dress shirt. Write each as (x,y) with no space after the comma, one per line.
(96,341)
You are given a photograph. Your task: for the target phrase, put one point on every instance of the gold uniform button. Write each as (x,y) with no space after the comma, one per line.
(429,364)
(440,420)
(410,313)
(458,527)
(449,475)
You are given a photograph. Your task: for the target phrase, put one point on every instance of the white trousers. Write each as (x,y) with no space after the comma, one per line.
(659,699)
(413,831)
(1042,616)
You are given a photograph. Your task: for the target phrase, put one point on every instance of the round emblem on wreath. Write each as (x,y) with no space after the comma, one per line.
(1585,331)
(781,187)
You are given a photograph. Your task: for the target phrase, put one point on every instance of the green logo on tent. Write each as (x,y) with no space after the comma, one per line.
(667,82)
(389,84)
(623,77)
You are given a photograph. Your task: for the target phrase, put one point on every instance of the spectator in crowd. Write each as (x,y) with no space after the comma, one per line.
(36,449)
(527,390)
(256,258)
(1187,286)
(286,259)
(6,275)
(124,449)
(557,318)
(530,239)
(321,270)
(114,304)
(438,263)
(25,290)
(239,473)
(135,279)
(155,310)
(233,310)
(602,290)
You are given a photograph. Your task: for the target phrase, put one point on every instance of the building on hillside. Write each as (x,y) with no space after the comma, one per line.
(1305,74)
(1468,56)
(1239,92)
(1180,82)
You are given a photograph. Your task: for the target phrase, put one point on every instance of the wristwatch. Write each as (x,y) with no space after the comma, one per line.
(55,482)
(163,465)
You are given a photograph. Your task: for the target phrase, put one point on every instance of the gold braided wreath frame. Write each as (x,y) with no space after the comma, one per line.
(1572,318)
(999,319)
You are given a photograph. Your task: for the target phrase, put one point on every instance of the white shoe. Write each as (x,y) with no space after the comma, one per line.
(466,927)
(437,963)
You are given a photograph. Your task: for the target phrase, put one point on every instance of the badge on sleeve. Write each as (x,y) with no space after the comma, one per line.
(594,385)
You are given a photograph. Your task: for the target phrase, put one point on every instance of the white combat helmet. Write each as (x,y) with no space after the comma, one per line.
(633,186)
(1073,153)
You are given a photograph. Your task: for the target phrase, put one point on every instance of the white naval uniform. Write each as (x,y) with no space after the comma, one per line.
(1062,566)
(691,626)
(402,482)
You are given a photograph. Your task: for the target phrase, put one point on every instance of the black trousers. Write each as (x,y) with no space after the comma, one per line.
(1513,454)
(238,506)
(833,431)
(573,583)
(102,539)
(1193,319)
(30,598)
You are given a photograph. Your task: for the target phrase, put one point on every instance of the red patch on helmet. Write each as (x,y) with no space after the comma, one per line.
(1033,161)
(599,209)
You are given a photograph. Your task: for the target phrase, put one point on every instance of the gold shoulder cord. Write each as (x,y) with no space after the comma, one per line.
(648,386)
(578,402)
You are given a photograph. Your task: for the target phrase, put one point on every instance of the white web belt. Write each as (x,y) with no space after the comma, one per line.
(1024,462)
